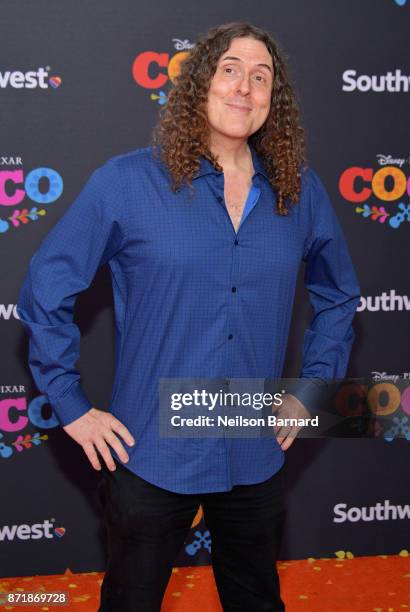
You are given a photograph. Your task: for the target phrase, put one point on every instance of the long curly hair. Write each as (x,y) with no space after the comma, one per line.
(182,133)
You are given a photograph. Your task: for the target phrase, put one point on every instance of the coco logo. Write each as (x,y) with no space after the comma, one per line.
(15,415)
(387,184)
(15,186)
(383,399)
(152,69)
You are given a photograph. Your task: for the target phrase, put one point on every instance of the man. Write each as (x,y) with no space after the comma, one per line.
(204,235)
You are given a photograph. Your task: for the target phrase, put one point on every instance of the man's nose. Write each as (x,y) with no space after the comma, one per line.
(243,85)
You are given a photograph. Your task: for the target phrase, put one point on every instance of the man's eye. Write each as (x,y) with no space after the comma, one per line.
(228,69)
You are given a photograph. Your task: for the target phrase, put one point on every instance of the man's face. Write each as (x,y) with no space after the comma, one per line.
(240,90)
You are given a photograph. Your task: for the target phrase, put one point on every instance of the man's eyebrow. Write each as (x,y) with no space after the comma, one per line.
(232,57)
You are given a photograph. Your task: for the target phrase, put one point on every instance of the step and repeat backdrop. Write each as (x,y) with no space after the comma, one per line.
(81,82)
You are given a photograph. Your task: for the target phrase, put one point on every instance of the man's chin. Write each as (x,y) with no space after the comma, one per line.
(237,133)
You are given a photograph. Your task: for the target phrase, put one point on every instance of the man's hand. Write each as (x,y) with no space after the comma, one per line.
(291,408)
(94,430)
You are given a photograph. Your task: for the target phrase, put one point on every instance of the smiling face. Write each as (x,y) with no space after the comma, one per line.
(239,95)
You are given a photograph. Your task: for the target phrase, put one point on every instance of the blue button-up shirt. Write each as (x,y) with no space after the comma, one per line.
(174,259)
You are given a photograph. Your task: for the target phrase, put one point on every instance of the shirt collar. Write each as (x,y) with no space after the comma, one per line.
(206,166)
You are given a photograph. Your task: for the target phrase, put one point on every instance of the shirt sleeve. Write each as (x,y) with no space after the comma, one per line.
(87,236)
(334,294)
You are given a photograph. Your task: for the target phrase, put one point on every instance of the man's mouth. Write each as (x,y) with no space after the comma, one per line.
(239,107)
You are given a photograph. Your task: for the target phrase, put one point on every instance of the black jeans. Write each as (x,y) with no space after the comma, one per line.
(147,526)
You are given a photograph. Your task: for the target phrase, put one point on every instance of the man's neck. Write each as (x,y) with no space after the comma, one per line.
(232,155)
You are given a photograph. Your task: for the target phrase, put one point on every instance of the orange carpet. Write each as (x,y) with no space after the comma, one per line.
(339,584)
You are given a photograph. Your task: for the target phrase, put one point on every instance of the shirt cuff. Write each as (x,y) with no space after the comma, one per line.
(72,405)
(309,392)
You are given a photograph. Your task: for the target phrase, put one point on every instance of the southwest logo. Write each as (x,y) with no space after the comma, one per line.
(37,531)
(31,79)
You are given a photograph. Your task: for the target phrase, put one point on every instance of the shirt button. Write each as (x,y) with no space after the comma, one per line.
(236,241)
(230,336)
(233,289)
(220,199)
